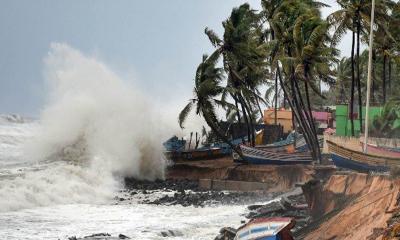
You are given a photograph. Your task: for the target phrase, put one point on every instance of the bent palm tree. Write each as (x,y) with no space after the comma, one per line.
(207,88)
(244,54)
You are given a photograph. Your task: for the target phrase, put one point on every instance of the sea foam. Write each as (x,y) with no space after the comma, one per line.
(94,129)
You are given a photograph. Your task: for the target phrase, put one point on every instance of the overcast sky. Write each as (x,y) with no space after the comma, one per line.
(156,42)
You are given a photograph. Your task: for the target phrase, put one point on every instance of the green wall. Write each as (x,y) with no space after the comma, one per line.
(343,124)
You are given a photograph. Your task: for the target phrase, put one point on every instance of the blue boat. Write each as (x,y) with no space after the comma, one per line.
(174,144)
(357,160)
(274,228)
(257,156)
(175,150)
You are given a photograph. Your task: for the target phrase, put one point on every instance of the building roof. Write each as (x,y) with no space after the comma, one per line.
(321,116)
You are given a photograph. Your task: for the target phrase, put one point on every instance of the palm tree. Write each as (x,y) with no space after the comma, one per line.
(243,55)
(269,9)
(207,88)
(300,56)
(343,78)
(354,15)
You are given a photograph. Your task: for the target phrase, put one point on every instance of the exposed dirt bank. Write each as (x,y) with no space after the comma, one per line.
(277,178)
(351,206)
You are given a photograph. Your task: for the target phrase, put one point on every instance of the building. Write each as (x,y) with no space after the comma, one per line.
(284,118)
(343,122)
(323,120)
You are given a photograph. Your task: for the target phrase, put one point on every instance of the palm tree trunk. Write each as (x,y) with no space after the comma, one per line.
(250,119)
(197,141)
(220,135)
(190,140)
(237,110)
(304,118)
(245,117)
(358,73)
(259,107)
(309,122)
(312,122)
(390,76)
(384,79)
(299,117)
(352,85)
(276,100)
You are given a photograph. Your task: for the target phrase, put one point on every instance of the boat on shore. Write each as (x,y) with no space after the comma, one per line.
(253,155)
(290,144)
(206,153)
(383,146)
(381,150)
(274,228)
(175,150)
(347,155)
(286,145)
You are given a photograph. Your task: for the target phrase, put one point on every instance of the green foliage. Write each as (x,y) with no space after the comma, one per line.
(289,48)
(387,124)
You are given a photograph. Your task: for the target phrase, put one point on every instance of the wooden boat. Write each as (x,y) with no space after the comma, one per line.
(353,158)
(257,156)
(283,148)
(273,228)
(286,145)
(385,151)
(196,154)
(290,146)
(383,146)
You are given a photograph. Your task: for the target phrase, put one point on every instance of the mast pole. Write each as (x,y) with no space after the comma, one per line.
(371,41)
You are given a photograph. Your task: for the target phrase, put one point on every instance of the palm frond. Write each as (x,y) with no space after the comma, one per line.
(184,113)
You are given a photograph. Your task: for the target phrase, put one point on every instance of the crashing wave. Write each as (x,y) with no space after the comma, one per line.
(14,118)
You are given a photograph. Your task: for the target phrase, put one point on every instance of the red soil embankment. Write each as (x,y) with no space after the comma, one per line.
(277,178)
(354,206)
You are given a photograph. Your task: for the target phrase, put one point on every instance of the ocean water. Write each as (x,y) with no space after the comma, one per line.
(60,174)
(57,200)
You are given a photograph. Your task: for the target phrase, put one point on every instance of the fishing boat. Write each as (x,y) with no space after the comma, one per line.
(286,145)
(290,145)
(253,155)
(175,150)
(205,153)
(381,150)
(346,154)
(195,154)
(274,228)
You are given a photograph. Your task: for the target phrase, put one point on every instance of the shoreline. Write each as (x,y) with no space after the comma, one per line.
(329,204)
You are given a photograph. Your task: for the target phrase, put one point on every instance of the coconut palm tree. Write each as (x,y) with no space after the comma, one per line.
(269,8)
(343,80)
(206,91)
(354,15)
(301,57)
(243,54)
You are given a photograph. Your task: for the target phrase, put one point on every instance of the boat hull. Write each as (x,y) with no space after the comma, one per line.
(385,151)
(195,155)
(343,162)
(359,161)
(266,229)
(285,148)
(257,156)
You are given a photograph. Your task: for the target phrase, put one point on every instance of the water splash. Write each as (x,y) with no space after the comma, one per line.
(94,130)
